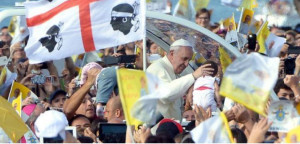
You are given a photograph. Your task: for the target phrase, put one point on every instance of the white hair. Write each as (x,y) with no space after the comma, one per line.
(176,48)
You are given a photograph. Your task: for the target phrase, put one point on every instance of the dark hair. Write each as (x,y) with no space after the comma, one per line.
(159,139)
(191,125)
(4,27)
(95,125)
(213,65)
(184,137)
(239,135)
(202,11)
(76,117)
(280,85)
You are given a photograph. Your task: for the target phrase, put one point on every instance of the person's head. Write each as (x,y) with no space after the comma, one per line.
(282,90)
(290,37)
(81,122)
(4,49)
(114,110)
(4,35)
(180,54)
(58,98)
(238,135)
(168,128)
(33,111)
(86,68)
(247,19)
(17,51)
(189,115)
(121,17)
(154,48)
(203,17)
(213,65)
(51,124)
(297,41)
(86,107)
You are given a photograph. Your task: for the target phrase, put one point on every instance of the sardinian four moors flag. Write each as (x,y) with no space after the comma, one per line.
(62,28)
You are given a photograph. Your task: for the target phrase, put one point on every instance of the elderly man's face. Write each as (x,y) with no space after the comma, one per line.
(180,58)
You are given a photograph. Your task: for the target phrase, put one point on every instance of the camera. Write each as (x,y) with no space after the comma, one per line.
(251,41)
(41,79)
(126,59)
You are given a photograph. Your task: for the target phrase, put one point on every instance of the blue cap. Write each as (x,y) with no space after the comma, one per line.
(56,93)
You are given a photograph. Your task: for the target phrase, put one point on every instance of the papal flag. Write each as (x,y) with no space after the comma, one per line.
(229,23)
(62,28)
(139,95)
(269,43)
(213,130)
(249,81)
(11,122)
(18,88)
(17,104)
(293,136)
(283,116)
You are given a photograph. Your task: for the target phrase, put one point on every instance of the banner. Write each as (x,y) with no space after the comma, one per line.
(282,114)
(63,28)
(249,80)
(213,130)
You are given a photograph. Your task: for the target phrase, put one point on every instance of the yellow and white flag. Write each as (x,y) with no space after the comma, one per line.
(249,80)
(269,43)
(17,89)
(229,23)
(213,130)
(185,9)
(17,104)
(132,85)
(10,121)
(293,136)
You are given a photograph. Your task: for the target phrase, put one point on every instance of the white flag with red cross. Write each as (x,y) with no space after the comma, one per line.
(62,28)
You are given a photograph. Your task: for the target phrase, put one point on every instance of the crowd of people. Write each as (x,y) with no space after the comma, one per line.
(89,98)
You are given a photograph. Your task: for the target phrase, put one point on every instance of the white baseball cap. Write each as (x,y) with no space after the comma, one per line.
(51,124)
(181,42)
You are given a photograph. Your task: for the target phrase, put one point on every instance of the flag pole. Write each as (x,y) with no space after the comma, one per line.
(144,54)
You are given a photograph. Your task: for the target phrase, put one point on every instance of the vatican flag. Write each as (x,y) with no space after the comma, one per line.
(249,80)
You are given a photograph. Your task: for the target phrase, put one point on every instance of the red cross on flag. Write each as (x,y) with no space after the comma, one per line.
(63,28)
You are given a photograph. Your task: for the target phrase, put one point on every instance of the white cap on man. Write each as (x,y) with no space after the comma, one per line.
(51,124)
(181,42)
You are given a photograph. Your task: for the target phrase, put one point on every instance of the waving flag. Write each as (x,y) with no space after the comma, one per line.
(213,130)
(269,43)
(249,80)
(249,4)
(63,28)
(229,22)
